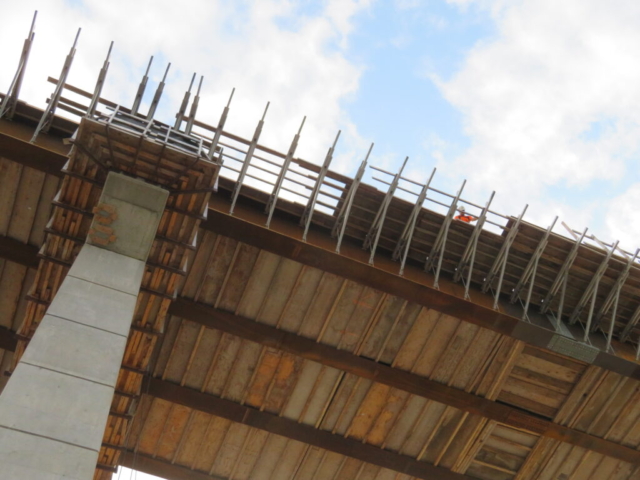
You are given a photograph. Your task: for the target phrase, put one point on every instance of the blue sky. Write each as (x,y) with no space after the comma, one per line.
(536,99)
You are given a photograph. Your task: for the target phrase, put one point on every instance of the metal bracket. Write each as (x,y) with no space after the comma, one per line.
(469,256)
(247,160)
(141,88)
(530,270)
(158,94)
(273,198)
(372,238)
(194,108)
(500,262)
(220,129)
(561,277)
(437,250)
(49,112)
(404,243)
(591,292)
(10,101)
(633,321)
(311,204)
(99,84)
(343,215)
(184,104)
(614,294)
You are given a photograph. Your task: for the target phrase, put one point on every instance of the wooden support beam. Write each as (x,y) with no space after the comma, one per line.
(410,382)
(8,340)
(283,239)
(154,466)
(31,155)
(18,252)
(293,430)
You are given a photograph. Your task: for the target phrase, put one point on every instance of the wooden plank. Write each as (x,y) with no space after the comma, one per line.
(293,430)
(410,382)
(352,264)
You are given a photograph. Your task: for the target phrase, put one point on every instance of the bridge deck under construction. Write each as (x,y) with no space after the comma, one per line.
(495,350)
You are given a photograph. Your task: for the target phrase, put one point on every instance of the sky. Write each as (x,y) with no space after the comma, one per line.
(535,99)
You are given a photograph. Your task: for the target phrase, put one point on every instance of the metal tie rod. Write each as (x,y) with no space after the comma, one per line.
(194,108)
(633,321)
(184,104)
(529,270)
(273,198)
(409,225)
(500,262)
(311,204)
(594,295)
(443,239)
(10,101)
(141,88)
(220,129)
(469,256)
(614,294)
(372,238)
(158,95)
(618,289)
(99,84)
(531,276)
(562,273)
(247,160)
(438,244)
(404,243)
(343,215)
(591,291)
(49,112)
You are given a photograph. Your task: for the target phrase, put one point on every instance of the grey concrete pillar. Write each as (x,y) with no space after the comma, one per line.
(54,408)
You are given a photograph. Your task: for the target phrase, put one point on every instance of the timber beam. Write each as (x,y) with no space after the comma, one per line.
(36,156)
(18,252)
(400,379)
(8,340)
(229,410)
(284,239)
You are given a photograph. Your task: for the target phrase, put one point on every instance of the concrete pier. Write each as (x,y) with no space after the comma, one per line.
(54,408)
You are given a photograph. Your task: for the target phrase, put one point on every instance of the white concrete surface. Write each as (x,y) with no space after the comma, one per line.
(55,406)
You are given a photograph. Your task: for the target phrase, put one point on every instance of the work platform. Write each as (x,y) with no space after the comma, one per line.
(442,350)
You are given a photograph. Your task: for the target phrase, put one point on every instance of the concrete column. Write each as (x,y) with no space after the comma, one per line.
(54,408)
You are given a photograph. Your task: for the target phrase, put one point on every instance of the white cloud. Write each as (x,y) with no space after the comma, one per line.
(270,50)
(622,217)
(550,101)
